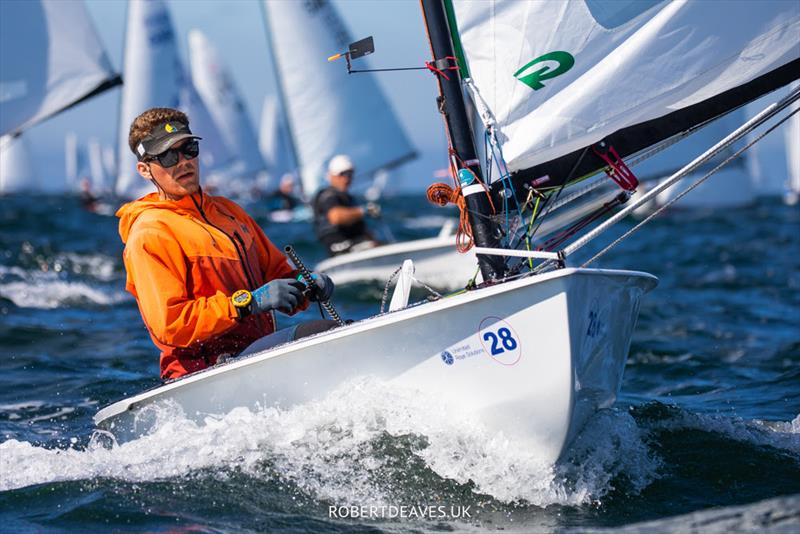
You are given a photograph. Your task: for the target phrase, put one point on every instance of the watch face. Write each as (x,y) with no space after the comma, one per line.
(241,298)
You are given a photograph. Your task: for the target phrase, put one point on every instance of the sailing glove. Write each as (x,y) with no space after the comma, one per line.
(325,285)
(283,294)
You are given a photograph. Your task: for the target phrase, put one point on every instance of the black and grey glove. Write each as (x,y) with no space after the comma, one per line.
(283,294)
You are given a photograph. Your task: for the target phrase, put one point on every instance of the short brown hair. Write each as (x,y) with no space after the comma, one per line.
(144,123)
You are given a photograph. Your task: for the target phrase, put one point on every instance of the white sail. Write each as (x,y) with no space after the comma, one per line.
(732,186)
(109,164)
(214,154)
(72,160)
(560,76)
(97,171)
(273,140)
(792,140)
(153,78)
(329,111)
(52,58)
(217,89)
(17,171)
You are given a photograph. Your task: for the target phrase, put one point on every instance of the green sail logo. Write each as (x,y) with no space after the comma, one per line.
(557,63)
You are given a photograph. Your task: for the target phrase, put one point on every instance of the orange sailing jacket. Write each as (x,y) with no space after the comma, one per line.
(184,259)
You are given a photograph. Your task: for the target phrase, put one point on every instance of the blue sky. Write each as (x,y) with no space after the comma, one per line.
(237,29)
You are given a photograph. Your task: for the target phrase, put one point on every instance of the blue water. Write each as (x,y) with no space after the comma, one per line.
(705,435)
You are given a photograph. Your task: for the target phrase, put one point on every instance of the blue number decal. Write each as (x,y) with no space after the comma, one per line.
(495,349)
(508,340)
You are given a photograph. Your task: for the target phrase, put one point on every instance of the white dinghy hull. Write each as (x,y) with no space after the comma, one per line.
(436,263)
(531,358)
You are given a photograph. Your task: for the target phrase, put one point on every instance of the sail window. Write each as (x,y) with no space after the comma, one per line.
(611,14)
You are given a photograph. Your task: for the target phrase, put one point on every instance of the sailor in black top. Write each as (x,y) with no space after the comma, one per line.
(283,198)
(338,220)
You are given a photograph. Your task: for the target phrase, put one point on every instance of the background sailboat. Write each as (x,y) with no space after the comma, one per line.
(216,87)
(338,113)
(74,162)
(273,139)
(217,160)
(17,171)
(152,70)
(731,187)
(155,77)
(329,112)
(792,141)
(64,61)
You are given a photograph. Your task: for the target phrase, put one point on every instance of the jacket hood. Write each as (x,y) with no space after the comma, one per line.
(128,213)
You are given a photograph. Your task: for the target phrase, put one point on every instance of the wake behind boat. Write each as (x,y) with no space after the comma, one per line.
(531,358)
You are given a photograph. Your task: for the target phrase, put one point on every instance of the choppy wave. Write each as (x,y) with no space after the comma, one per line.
(41,258)
(52,289)
(780,434)
(367,443)
(50,292)
(778,515)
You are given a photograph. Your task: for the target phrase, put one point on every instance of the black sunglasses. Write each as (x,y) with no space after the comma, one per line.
(170,158)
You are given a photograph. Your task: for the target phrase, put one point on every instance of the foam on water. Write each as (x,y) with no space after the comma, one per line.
(781,435)
(777,515)
(48,290)
(352,448)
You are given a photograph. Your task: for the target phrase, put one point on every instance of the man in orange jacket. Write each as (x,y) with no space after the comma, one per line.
(206,278)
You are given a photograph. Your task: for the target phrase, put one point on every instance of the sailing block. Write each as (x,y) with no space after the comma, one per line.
(616,169)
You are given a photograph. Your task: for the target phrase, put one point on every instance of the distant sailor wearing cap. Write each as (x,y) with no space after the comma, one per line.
(338,219)
(206,278)
(284,198)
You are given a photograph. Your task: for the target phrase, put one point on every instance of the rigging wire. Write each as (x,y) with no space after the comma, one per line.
(685,192)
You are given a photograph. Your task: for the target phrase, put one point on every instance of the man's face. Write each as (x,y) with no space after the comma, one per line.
(177,181)
(342,180)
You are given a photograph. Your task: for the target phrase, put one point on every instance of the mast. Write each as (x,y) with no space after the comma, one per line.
(479,208)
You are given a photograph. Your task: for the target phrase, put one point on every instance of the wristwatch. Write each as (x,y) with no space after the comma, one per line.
(241,300)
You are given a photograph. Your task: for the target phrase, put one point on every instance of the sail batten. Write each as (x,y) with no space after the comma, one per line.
(560,76)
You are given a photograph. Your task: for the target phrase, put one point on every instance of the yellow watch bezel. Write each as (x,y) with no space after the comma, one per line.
(238,294)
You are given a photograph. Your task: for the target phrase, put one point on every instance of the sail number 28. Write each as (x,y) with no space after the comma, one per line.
(502,341)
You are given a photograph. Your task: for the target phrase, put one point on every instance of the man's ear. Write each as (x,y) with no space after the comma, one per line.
(144,170)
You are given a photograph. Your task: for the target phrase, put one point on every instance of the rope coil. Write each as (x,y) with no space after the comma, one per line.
(442,195)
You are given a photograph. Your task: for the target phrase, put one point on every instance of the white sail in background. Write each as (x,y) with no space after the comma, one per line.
(52,58)
(17,171)
(153,78)
(791,134)
(273,140)
(214,154)
(215,86)
(560,76)
(329,111)
(771,158)
(732,186)
(73,161)
(109,164)
(97,170)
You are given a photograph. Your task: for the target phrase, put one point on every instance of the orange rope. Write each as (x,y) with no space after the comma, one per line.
(442,195)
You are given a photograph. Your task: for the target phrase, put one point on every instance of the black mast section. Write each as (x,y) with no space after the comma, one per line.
(479,208)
